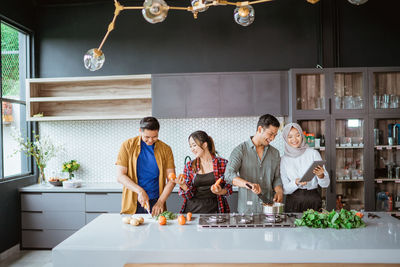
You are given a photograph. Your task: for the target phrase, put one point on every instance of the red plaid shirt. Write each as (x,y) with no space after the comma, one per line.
(219,165)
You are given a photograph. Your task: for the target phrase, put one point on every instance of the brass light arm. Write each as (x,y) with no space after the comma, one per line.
(118,9)
(258,1)
(180,8)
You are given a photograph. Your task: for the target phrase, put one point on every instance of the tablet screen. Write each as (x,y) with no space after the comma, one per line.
(309,175)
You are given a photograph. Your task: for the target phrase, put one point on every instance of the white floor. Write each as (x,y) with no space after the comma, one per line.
(29,258)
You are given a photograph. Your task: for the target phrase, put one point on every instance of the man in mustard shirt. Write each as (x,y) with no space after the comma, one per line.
(143,165)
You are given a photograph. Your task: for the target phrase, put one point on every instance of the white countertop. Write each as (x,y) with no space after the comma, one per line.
(106,241)
(92,187)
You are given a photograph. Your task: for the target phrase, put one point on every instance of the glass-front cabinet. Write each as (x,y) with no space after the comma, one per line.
(385,90)
(386,136)
(349,163)
(315,134)
(349,91)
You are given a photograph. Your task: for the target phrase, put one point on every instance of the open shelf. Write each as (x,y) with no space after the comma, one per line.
(89,98)
(349,180)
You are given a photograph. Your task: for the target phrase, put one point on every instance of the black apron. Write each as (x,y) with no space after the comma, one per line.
(203,201)
(303,199)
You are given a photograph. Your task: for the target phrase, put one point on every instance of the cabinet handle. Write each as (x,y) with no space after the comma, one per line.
(331,181)
(330,106)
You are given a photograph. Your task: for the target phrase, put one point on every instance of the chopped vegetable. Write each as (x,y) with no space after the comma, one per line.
(343,219)
(168,215)
(189,216)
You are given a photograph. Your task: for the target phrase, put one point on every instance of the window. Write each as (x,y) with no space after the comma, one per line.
(14,70)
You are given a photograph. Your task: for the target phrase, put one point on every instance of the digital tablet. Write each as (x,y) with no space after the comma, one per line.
(309,175)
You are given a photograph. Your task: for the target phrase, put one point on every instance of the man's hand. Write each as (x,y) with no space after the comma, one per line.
(255,188)
(278,197)
(143,198)
(158,208)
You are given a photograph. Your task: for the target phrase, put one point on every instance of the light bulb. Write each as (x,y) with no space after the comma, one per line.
(244,15)
(155,11)
(94,59)
(358,2)
(196,3)
(313,1)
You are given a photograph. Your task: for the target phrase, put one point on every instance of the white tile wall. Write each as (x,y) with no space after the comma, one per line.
(95,144)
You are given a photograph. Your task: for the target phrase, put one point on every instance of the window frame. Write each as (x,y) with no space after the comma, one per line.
(30,72)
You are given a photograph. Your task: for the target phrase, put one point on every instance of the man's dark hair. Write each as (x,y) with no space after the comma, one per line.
(266,120)
(149,123)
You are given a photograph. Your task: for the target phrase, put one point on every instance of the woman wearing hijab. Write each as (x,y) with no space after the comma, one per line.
(300,196)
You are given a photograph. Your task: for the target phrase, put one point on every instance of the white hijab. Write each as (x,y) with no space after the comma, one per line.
(290,151)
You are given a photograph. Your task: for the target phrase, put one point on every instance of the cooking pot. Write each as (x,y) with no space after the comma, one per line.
(276,208)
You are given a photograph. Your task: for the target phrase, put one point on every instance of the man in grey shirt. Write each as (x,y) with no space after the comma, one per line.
(254,167)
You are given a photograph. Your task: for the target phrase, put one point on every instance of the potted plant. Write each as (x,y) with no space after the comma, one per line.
(41,149)
(70,167)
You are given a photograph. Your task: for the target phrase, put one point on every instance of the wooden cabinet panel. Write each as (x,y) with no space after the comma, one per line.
(270,93)
(63,201)
(169,96)
(202,95)
(52,220)
(236,95)
(103,202)
(44,238)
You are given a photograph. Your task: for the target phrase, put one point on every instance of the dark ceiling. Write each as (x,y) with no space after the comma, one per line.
(86,2)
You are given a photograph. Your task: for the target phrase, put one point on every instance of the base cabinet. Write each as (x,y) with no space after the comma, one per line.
(49,218)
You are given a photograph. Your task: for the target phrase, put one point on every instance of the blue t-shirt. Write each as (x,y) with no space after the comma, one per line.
(147,170)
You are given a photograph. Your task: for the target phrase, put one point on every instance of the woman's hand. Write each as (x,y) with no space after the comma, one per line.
(180,180)
(216,189)
(319,171)
(298,183)
(143,198)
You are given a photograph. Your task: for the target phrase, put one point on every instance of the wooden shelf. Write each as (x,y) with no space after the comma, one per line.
(380,180)
(349,147)
(89,98)
(349,181)
(386,147)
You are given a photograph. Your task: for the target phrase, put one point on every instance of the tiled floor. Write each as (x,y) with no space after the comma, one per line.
(29,258)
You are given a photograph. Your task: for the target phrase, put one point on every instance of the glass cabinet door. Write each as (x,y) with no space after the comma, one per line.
(349,93)
(315,134)
(386,91)
(349,143)
(310,91)
(387,164)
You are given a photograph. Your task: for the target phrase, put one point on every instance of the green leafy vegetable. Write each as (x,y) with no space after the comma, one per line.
(344,219)
(168,215)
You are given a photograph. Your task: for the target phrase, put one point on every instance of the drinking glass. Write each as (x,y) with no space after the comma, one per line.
(385,101)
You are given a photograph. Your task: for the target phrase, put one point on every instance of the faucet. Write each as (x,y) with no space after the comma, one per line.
(187,158)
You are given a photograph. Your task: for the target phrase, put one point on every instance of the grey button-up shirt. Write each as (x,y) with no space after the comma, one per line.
(245,163)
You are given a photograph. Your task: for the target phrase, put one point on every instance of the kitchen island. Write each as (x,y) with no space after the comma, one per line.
(106,241)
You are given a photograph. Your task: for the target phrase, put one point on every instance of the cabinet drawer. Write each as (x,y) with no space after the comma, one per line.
(53,220)
(31,202)
(103,202)
(63,201)
(45,238)
(90,216)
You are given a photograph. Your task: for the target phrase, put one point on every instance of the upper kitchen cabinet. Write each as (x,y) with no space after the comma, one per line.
(350,90)
(384,84)
(308,91)
(219,94)
(89,98)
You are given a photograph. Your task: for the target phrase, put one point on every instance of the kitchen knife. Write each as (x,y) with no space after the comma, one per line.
(263,198)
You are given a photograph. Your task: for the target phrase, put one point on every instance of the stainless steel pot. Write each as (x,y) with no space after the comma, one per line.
(276,208)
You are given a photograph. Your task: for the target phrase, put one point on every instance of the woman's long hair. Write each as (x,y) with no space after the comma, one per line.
(201,137)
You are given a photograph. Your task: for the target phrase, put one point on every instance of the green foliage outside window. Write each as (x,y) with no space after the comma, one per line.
(9,61)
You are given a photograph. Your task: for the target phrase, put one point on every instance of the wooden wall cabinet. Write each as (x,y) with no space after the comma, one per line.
(89,98)
(220,94)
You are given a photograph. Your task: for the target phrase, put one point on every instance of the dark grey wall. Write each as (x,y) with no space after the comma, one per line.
(284,35)
(21,13)
(10,222)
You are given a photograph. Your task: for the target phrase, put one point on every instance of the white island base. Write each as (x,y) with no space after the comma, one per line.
(106,241)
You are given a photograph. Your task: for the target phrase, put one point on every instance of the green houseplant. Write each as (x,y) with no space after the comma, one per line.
(70,167)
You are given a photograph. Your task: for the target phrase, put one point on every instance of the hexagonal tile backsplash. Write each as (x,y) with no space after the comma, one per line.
(95,144)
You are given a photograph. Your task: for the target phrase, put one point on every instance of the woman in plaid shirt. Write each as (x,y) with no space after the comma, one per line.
(197,184)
